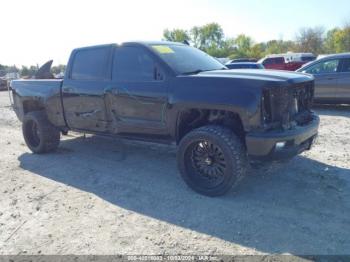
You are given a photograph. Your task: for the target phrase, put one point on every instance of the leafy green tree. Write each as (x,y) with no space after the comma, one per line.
(342,40)
(28,71)
(24,71)
(226,49)
(176,35)
(279,47)
(310,40)
(243,45)
(208,37)
(257,50)
(329,41)
(3,70)
(58,69)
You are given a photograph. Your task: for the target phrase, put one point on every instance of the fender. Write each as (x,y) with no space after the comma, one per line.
(35,95)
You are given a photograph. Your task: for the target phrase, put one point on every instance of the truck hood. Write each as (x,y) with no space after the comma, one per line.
(258,74)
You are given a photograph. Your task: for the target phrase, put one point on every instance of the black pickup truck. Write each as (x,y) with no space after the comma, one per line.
(168,92)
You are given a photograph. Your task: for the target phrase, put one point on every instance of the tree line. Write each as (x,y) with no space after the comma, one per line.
(211,39)
(28,71)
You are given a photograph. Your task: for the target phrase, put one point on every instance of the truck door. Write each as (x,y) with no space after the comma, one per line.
(344,80)
(268,63)
(83,88)
(276,63)
(325,73)
(137,99)
(279,63)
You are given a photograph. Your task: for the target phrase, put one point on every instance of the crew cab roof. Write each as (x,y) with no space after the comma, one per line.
(150,43)
(144,43)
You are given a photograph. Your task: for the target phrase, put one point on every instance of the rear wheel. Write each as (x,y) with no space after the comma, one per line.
(211,160)
(39,134)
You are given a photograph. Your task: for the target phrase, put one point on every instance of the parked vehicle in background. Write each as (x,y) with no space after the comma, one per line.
(222,60)
(299,57)
(12,75)
(242,65)
(3,81)
(273,62)
(240,60)
(169,92)
(332,78)
(288,61)
(6,76)
(3,84)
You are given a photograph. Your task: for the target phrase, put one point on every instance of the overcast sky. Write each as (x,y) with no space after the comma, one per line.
(38,30)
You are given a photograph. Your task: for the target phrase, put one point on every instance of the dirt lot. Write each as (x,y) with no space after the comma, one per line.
(99,196)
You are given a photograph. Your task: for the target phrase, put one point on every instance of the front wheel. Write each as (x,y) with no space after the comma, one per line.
(211,160)
(39,134)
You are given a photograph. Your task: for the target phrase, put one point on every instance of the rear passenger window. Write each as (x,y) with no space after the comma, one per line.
(268,61)
(91,64)
(133,64)
(346,65)
(279,60)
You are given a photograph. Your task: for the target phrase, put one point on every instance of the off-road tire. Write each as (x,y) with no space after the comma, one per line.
(231,148)
(45,139)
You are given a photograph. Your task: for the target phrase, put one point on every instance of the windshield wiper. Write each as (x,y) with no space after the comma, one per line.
(194,72)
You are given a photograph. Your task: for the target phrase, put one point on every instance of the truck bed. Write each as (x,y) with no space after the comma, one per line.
(37,87)
(45,93)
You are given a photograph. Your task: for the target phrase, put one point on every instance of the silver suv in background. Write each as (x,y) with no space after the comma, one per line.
(332,78)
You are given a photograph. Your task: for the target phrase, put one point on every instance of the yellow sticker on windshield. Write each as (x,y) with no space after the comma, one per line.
(163,49)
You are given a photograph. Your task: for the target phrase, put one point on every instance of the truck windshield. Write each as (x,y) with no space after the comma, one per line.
(187,60)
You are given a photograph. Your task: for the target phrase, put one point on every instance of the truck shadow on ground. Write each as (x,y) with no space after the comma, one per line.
(299,207)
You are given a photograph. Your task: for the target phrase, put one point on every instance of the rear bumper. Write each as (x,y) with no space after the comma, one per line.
(262,146)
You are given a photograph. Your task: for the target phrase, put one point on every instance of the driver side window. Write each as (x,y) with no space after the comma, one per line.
(133,64)
(268,61)
(325,67)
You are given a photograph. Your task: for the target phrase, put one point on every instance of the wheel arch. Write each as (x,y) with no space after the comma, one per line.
(32,105)
(25,105)
(193,118)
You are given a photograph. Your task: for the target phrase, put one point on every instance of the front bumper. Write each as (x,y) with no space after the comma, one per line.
(262,146)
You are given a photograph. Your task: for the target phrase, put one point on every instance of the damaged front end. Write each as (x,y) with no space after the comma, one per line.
(288,106)
(289,127)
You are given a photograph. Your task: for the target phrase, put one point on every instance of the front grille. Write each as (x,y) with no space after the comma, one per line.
(304,93)
(285,106)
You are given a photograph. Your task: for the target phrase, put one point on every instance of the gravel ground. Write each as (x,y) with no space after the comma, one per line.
(103,196)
